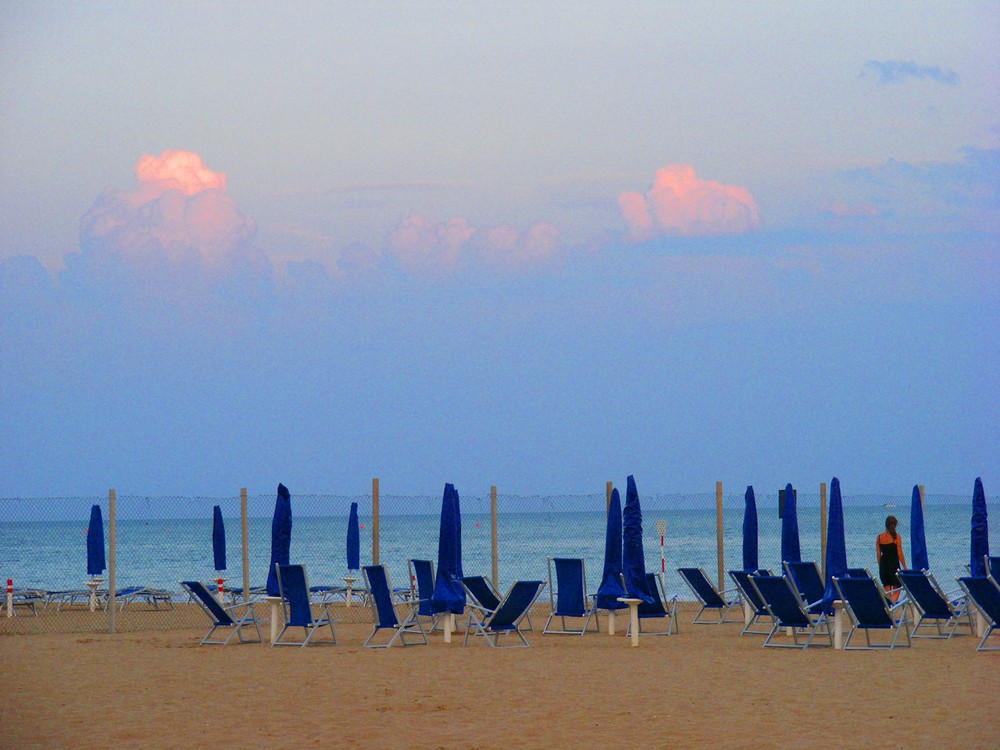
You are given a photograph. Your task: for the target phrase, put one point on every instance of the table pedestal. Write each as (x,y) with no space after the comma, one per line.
(277,616)
(350,582)
(92,584)
(633,614)
(838,623)
(611,622)
(449,626)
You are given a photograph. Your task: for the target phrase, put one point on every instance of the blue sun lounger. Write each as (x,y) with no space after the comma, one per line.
(934,605)
(985,594)
(506,618)
(808,582)
(153,597)
(870,610)
(384,613)
(752,600)
(709,596)
(293,588)
(236,617)
(486,597)
(658,609)
(568,596)
(788,611)
(422,575)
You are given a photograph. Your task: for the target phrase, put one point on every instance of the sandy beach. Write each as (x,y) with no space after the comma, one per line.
(705,685)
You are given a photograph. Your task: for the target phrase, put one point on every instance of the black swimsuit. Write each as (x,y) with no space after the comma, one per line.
(888,564)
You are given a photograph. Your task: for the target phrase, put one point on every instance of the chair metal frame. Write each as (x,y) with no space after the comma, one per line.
(954,610)
(710,597)
(589,602)
(801,618)
(751,599)
(482,585)
(891,622)
(990,609)
(316,622)
(391,620)
(222,616)
(482,622)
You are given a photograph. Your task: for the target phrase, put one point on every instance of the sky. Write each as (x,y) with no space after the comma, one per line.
(537,246)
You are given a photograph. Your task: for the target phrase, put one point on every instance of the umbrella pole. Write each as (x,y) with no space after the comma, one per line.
(611,622)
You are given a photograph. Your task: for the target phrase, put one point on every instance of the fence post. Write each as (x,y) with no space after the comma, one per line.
(822,527)
(494,551)
(608,487)
(920,489)
(245,536)
(375,521)
(718,533)
(111,561)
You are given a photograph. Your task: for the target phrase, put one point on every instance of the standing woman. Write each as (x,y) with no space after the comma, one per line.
(889,553)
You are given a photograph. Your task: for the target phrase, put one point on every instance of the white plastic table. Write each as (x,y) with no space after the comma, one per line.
(277,615)
(633,614)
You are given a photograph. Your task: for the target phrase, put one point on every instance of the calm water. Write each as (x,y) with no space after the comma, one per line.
(52,554)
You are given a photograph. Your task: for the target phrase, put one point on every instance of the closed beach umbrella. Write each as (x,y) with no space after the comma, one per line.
(448,596)
(790,528)
(836,545)
(281,537)
(95,543)
(633,558)
(218,539)
(918,537)
(979,545)
(611,580)
(353,540)
(750,531)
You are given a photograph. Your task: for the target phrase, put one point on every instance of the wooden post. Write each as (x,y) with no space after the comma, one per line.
(608,487)
(111,560)
(245,540)
(920,489)
(494,550)
(375,521)
(718,534)
(822,528)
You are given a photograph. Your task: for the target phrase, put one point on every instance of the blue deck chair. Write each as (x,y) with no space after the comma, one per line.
(384,613)
(858,573)
(507,617)
(658,609)
(153,597)
(236,617)
(992,566)
(293,588)
(752,600)
(422,575)
(808,581)
(568,596)
(487,598)
(871,610)
(985,594)
(788,611)
(710,597)
(934,605)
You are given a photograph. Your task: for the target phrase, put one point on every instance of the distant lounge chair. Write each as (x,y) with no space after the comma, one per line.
(752,600)
(985,594)
(657,609)
(789,611)
(506,618)
(485,596)
(293,589)
(384,613)
(153,597)
(25,599)
(808,582)
(933,604)
(709,596)
(568,596)
(222,617)
(871,610)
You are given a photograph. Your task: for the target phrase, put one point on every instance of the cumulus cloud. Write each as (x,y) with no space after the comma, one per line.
(679,203)
(898,71)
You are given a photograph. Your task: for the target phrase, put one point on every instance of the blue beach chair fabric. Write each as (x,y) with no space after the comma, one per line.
(384,613)
(992,566)
(871,610)
(486,597)
(293,588)
(934,605)
(788,611)
(808,582)
(751,600)
(659,608)
(568,596)
(235,617)
(422,578)
(507,617)
(984,592)
(710,597)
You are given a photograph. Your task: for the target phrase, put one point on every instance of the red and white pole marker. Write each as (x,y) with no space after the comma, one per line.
(10,597)
(661,529)
(218,583)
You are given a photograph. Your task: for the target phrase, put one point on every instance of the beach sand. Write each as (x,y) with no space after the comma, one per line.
(704,686)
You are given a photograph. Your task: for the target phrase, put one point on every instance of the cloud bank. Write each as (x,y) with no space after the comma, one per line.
(899,71)
(679,203)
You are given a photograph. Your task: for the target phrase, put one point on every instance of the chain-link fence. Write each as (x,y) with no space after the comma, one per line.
(155,542)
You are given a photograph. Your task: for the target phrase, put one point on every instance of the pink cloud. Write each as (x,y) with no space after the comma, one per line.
(679,203)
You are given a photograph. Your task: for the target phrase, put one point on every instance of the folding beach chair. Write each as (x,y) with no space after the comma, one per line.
(506,618)
(384,613)
(422,578)
(709,596)
(788,611)
(808,582)
(221,616)
(568,596)
(943,609)
(992,566)
(657,609)
(153,597)
(858,573)
(293,588)
(871,610)
(486,597)
(752,600)
(985,594)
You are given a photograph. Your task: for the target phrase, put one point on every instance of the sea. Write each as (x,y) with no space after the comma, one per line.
(157,549)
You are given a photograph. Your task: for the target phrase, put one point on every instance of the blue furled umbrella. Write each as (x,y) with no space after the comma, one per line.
(353,540)
(918,537)
(611,581)
(836,545)
(448,596)
(790,528)
(979,542)
(218,539)
(750,562)
(95,542)
(633,558)
(458,541)
(281,537)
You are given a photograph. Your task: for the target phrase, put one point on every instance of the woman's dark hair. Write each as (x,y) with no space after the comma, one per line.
(890,525)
